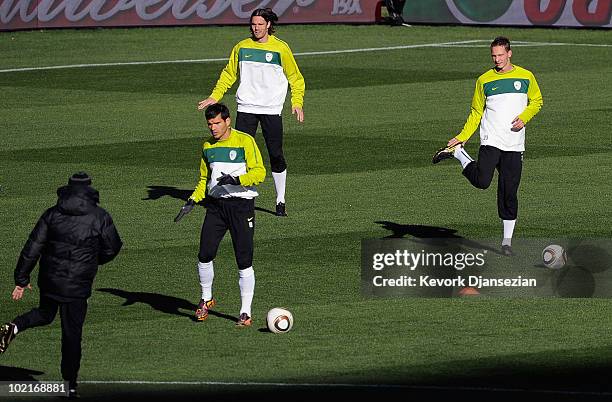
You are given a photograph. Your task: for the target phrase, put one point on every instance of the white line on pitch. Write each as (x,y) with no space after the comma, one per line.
(346,385)
(470,43)
(378,49)
(127,63)
(534,44)
(137,63)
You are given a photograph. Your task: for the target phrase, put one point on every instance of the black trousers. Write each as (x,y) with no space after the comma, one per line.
(72,314)
(509,165)
(395,6)
(272,129)
(236,215)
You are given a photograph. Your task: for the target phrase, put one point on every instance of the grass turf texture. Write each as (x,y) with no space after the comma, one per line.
(373,120)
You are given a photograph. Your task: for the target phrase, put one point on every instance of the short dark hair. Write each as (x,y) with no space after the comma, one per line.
(217,109)
(268,15)
(501,41)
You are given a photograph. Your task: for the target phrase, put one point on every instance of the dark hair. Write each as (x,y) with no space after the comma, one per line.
(501,41)
(217,109)
(268,15)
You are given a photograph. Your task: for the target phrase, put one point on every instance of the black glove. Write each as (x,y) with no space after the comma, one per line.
(228,179)
(185,209)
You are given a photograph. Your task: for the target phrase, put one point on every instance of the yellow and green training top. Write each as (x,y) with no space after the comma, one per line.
(498,99)
(237,155)
(265,69)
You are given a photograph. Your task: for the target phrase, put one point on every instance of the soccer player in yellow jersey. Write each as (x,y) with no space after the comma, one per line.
(265,65)
(230,167)
(505,99)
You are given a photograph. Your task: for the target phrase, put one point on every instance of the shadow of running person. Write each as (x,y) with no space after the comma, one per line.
(435,239)
(18,374)
(421,231)
(165,304)
(265,210)
(157,192)
(432,232)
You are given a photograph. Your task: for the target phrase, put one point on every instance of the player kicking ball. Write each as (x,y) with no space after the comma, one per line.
(506,98)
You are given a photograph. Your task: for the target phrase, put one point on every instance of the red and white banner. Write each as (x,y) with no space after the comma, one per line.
(558,13)
(32,14)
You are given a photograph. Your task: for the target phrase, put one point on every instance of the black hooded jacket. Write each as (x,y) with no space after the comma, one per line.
(71,239)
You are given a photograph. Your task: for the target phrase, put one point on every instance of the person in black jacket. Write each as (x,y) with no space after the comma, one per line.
(71,239)
(396,10)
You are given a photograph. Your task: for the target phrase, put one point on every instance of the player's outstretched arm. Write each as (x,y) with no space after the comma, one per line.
(206,103)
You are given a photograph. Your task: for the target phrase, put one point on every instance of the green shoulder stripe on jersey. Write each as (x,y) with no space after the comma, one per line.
(506,86)
(224,154)
(259,56)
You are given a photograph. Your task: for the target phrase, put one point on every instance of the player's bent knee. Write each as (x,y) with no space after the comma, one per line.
(482,185)
(47,319)
(483,182)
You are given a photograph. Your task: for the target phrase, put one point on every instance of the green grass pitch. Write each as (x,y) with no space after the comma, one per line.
(363,155)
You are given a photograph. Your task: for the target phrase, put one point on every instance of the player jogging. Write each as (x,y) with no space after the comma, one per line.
(230,167)
(265,65)
(505,99)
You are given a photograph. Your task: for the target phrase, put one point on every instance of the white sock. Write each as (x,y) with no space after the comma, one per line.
(247,289)
(207,274)
(15,329)
(508,232)
(463,157)
(280,182)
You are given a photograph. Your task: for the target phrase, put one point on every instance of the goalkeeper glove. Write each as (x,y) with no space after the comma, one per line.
(228,179)
(185,209)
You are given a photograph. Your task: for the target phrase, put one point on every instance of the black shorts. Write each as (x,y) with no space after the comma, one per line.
(236,215)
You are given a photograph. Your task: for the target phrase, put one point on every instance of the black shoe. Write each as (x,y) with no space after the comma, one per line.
(244,320)
(507,250)
(7,333)
(444,153)
(73,394)
(280,209)
(397,21)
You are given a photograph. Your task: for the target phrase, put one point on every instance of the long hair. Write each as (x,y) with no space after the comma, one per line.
(268,15)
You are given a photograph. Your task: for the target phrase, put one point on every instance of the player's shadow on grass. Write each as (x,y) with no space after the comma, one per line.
(265,210)
(157,192)
(421,231)
(399,231)
(18,374)
(165,304)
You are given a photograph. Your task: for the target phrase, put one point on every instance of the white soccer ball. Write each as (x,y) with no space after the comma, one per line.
(554,257)
(279,320)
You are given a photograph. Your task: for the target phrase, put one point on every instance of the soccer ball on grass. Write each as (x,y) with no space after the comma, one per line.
(279,320)
(554,257)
